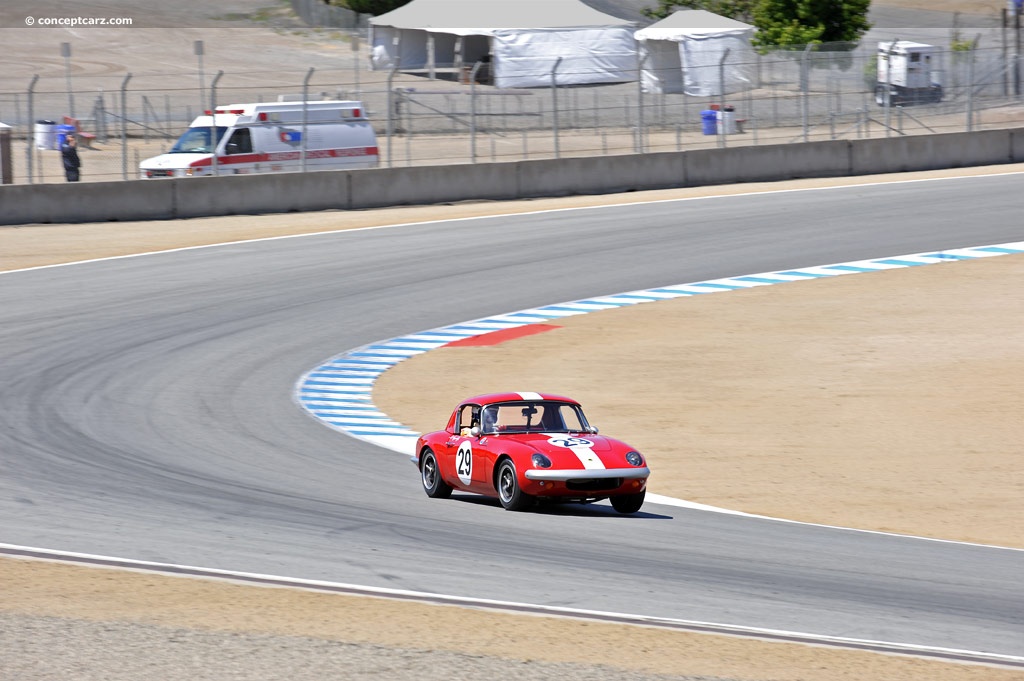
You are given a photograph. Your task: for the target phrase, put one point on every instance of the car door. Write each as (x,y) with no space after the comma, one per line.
(473,458)
(485,449)
(459,457)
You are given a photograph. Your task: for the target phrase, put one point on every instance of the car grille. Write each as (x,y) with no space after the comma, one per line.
(593,485)
(160,173)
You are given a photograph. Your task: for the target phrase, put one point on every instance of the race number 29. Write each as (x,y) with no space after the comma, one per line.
(464,462)
(570,442)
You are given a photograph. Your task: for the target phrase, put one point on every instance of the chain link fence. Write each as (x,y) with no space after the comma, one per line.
(449,116)
(319,13)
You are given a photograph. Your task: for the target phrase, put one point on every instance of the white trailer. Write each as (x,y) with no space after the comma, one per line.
(270,137)
(908,73)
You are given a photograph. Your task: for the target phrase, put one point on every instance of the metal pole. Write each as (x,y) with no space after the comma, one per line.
(458,62)
(750,113)
(214,165)
(305,116)
(1004,24)
(31,122)
(355,63)
(472,111)
(391,112)
(554,105)
(805,77)
(1016,52)
(124,126)
(197,48)
(6,159)
(970,84)
(431,59)
(721,95)
(888,87)
(639,146)
(100,114)
(167,116)
(65,51)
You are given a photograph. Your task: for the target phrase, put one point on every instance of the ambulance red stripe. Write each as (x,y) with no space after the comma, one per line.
(286,156)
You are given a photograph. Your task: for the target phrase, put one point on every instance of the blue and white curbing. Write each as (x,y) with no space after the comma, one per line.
(339,393)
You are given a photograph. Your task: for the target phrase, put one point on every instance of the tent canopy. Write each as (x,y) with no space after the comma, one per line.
(523,39)
(692,24)
(483,17)
(684,51)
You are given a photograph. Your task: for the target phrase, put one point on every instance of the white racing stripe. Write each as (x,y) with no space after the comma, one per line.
(587,457)
(581,447)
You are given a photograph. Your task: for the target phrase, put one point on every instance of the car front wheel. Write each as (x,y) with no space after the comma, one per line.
(629,503)
(509,492)
(430,474)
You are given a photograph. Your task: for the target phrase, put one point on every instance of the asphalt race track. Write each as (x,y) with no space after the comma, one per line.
(147,412)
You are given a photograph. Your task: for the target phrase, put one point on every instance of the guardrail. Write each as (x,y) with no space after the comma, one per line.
(378,187)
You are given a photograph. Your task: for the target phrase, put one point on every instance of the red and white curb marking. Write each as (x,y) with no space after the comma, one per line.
(338,392)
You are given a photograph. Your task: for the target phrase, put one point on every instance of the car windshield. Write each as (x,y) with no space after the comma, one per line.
(533,417)
(196,141)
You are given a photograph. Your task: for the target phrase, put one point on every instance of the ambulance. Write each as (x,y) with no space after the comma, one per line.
(270,137)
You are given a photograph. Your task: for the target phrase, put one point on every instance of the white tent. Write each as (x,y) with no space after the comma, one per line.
(523,39)
(683,53)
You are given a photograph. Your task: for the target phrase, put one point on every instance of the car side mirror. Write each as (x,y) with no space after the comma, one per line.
(592,430)
(232,148)
(475,431)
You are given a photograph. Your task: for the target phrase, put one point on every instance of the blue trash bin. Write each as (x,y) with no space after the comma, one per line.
(62,134)
(709,122)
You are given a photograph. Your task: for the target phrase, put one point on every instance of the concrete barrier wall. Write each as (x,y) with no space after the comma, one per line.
(85,202)
(768,163)
(930,152)
(251,194)
(377,187)
(601,174)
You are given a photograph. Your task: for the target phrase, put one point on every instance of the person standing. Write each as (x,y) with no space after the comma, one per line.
(69,152)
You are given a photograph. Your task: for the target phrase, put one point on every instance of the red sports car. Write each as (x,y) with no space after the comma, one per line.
(520,447)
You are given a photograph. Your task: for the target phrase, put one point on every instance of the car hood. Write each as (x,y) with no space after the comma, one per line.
(171,161)
(548,442)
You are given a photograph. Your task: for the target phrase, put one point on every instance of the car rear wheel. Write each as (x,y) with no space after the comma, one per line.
(629,503)
(509,492)
(430,474)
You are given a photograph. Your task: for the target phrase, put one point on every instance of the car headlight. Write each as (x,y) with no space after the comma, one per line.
(634,459)
(540,461)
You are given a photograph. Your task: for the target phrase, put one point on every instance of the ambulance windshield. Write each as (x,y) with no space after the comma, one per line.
(196,141)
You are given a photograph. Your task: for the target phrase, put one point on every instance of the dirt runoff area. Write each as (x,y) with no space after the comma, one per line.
(897,410)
